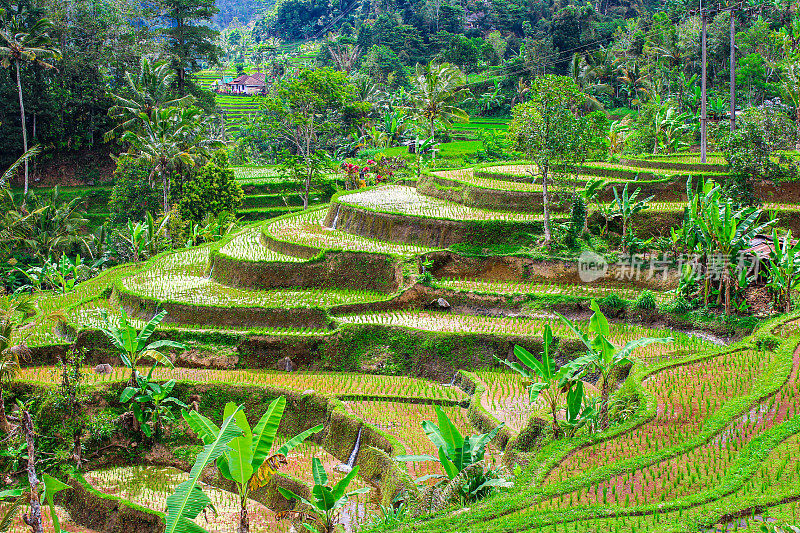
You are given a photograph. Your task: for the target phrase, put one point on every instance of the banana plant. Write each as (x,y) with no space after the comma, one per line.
(719,230)
(16,498)
(580,410)
(326,501)
(247,460)
(455,452)
(151,403)
(784,270)
(188,500)
(671,129)
(547,380)
(133,346)
(591,195)
(603,356)
(628,205)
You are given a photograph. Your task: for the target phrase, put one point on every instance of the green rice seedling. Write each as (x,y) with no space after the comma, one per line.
(149,487)
(682,408)
(307,228)
(407,201)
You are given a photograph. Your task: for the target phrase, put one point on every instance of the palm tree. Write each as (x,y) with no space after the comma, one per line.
(13,315)
(635,83)
(790,82)
(56,225)
(581,71)
(170,138)
(20,44)
(438,89)
(150,89)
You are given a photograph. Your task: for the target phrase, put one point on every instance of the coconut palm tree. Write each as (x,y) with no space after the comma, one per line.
(635,83)
(14,314)
(438,90)
(581,71)
(150,89)
(170,139)
(22,44)
(790,82)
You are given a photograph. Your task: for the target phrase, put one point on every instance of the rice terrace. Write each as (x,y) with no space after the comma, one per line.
(399,267)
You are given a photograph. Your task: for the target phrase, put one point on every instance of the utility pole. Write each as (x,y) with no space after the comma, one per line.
(733,70)
(704,14)
(703,116)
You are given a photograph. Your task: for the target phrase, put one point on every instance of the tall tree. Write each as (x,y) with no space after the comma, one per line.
(438,90)
(147,90)
(549,130)
(189,39)
(172,139)
(21,44)
(309,109)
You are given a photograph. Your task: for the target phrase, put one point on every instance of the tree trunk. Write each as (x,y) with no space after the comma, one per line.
(244,520)
(546,205)
(34,519)
(797,120)
(624,233)
(76,448)
(556,427)
(5,427)
(727,292)
(433,144)
(24,129)
(309,170)
(605,393)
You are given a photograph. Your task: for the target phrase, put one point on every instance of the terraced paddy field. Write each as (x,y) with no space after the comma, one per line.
(403,200)
(337,309)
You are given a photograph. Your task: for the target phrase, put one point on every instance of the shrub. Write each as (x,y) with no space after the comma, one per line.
(577,220)
(645,301)
(678,306)
(212,190)
(612,301)
(132,195)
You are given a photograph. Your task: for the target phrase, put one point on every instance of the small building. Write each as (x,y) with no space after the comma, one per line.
(247,84)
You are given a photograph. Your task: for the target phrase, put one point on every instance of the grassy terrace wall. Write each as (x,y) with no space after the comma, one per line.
(345,270)
(672,165)
(480,197)
(111,514)
(428,354)
(447,264)
(243,317)
(508,512)
(423,231)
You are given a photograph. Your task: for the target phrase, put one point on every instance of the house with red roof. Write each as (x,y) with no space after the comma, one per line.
(248,84)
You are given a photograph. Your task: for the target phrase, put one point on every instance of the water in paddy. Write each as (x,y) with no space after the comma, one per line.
(149,487)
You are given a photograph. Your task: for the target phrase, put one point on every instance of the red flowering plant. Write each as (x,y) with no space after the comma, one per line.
(352,175)
(374,172)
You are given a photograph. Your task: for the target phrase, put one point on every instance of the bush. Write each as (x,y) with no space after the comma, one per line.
(577,220)
(645,301)
(210,191)
(612,301)
(678,306)
(132,195)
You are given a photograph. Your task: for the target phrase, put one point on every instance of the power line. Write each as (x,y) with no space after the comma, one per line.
(555,59)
